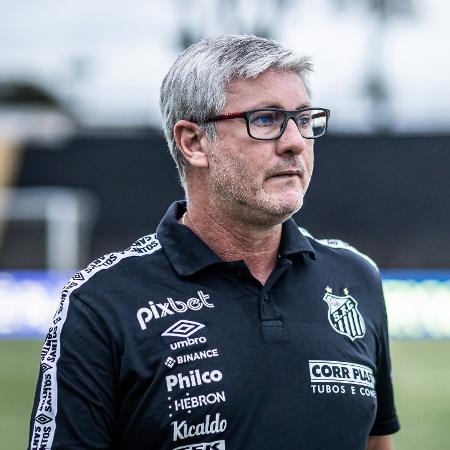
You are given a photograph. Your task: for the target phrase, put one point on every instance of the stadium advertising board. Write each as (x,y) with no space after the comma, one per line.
(418,303)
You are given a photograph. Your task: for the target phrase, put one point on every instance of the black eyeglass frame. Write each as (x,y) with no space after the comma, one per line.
(287,115)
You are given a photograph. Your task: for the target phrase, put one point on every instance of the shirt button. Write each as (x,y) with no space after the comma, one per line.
(266,298)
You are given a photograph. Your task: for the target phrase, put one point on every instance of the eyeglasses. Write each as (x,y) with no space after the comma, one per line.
(270,123)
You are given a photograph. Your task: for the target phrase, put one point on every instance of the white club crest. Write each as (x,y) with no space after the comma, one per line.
(343,314)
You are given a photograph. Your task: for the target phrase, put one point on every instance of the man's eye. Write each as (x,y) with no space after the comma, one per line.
(263,120)
(303,121)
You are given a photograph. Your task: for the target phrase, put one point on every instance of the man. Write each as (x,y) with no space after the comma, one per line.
(231,327)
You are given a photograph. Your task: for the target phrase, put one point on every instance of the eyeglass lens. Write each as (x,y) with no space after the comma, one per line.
(267,124)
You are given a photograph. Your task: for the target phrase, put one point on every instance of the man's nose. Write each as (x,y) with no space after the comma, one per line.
(291,140)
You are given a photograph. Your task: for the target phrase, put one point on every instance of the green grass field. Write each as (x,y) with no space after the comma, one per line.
(422,386)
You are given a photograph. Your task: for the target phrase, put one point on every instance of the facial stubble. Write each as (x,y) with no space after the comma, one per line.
(240,194)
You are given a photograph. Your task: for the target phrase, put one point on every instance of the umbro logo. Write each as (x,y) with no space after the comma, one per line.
(43,419)
(78,276)
(183,328)
(45,367)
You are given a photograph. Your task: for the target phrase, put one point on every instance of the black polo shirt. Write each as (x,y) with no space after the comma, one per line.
(166,346)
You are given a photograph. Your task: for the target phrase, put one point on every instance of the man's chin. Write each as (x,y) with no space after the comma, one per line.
(288,204)
(288,211)
(279,212)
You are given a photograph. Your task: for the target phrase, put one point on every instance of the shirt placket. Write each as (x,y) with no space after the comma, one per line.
(272,325)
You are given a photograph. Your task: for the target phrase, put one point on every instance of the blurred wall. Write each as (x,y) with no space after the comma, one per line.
(388,196)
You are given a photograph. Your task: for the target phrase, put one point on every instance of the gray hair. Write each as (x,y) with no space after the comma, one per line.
(196,85)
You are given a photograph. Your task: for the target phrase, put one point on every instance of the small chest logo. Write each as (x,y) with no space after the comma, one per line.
(343,314)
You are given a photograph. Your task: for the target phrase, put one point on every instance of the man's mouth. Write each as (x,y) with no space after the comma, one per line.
(286,174)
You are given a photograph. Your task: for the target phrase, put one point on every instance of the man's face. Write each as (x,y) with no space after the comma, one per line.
(262,182)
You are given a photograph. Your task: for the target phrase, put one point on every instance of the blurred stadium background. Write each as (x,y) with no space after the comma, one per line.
(84,170)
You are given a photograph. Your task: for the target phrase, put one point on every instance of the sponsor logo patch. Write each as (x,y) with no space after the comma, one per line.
(188,342)
(45,367)
(190,357)
(216,445)
(196,401)
(170,362)
(43,419)
(340,372)
(192,379)
(158,310)
(337,377)
(183,328)
(204,354)
(183,430)
(343,314)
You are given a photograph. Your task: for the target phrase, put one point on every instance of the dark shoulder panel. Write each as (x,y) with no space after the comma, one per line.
(341,250)
(109,265)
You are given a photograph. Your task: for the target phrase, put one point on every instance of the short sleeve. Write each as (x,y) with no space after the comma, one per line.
(386,421)
(74,402)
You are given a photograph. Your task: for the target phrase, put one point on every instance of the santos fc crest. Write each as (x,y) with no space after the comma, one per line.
(343,314)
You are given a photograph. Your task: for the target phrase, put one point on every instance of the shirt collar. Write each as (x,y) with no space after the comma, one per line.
(188,254)
(293,242)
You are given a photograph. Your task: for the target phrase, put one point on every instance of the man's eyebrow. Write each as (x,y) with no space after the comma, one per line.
(277,106)
(265,106)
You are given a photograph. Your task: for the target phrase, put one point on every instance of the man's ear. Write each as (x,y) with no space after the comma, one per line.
(188,136)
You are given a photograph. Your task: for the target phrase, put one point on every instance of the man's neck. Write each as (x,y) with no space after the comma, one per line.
(232,240)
